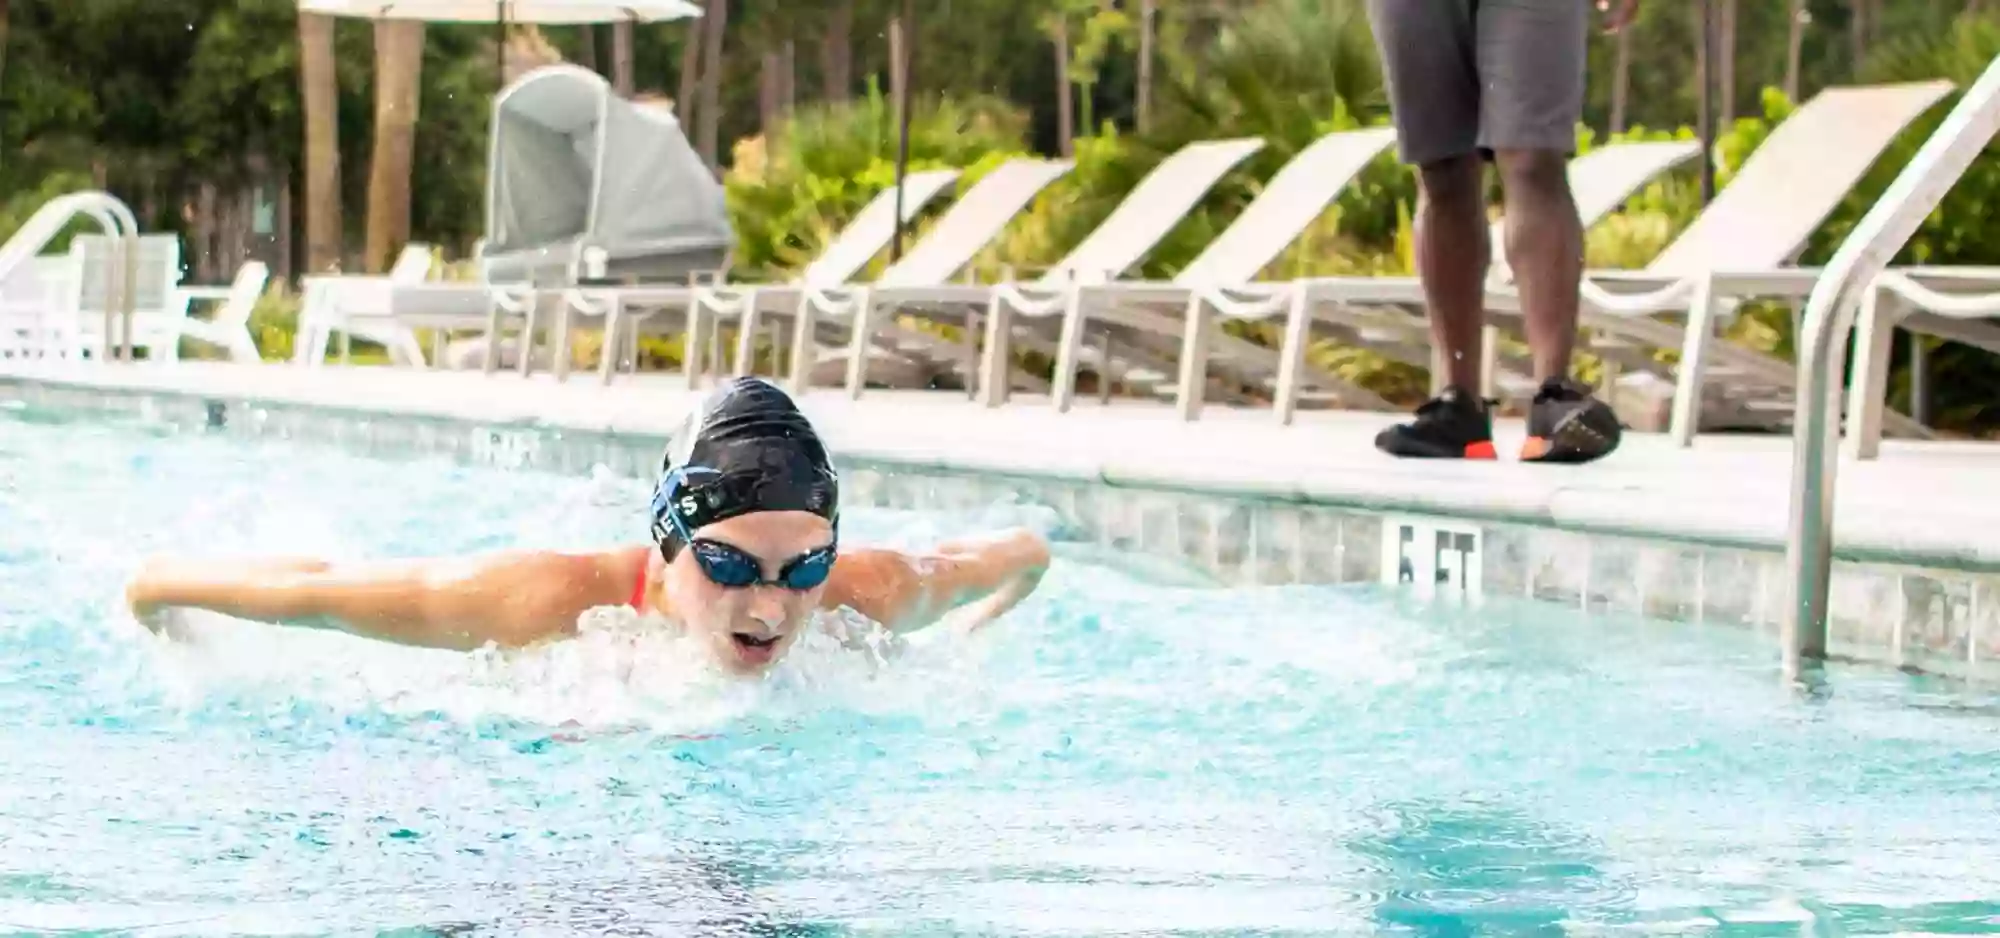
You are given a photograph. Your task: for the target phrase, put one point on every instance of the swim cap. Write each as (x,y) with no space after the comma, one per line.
(746,447)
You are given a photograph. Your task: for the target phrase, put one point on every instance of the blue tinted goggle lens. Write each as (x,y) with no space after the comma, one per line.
(729,567)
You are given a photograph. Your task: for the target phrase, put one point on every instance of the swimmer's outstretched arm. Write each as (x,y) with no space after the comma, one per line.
(983,576)
(511,599)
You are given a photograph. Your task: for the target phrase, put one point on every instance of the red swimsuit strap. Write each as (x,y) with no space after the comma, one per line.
(638,600)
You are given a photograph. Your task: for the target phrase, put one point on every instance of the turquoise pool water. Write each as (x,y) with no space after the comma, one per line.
(1120,756)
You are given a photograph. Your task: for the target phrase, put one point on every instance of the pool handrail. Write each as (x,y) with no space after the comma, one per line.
(1826,330)
(117,223)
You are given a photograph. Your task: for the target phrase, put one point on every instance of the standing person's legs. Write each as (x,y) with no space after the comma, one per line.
(1531,64)
(1428,52)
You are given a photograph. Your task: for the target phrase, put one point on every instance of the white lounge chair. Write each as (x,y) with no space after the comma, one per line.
(1293,198)
(972,222)
(230,327)
(1142,218)
(30,298)
(1221,282)
(77,327)
(1956,303)
(1743,246)
(627,310)
(375,308)
(1736,249)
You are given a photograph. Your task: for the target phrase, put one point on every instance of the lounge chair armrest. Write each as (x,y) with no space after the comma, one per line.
(205,293)
(1950,280)
(1773,282)
(1035,300)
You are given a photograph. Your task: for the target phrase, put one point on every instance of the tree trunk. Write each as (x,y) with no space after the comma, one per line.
(1703,92)
(587,49)
(149,196)
(621,57)
(788,98)
(1148,12)
(684,97)
(1725,66)
(1857,32)
(322,147)
(3,43)
(1795,45)
(717,19)
(205,231)
(767,95)
(399,59)
(1065,120)
(836,52)
(281,253)
(1621,77)
(233,246)
(899,63)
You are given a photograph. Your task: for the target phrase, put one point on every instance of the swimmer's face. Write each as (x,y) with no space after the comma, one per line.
(750,628)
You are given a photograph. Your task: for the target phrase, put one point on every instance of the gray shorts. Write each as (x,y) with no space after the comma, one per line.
(1482,75)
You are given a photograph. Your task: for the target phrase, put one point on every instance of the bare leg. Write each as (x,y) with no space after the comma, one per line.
(1452,250)
(1545,249)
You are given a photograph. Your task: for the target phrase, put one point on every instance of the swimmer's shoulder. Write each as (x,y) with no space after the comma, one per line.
(558,579)
(874,582)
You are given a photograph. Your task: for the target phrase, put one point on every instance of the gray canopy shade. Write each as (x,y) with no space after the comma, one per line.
(574,171)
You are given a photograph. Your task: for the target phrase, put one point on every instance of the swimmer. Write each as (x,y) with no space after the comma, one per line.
(745,549)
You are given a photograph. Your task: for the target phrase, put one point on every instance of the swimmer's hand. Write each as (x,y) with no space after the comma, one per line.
(157,619)
(975,580)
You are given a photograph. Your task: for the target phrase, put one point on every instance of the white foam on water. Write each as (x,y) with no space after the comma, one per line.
(620,671)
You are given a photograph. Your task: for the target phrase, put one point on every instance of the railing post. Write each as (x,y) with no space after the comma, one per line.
(113,272)
(128,291)
(1829,321)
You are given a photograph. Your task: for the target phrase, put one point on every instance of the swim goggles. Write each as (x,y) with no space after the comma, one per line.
(727,565)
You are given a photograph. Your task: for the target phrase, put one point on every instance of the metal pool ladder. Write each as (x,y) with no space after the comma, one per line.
(1825,337)
(121,230)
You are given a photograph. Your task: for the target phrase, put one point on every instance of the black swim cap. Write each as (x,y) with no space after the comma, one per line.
(746,447)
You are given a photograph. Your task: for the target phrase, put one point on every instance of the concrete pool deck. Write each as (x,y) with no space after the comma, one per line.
(1922,503)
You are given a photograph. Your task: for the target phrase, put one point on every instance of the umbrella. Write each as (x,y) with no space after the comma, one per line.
(502,12)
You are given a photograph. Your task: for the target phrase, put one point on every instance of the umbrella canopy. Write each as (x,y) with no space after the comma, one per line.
(545,12)
(574,168)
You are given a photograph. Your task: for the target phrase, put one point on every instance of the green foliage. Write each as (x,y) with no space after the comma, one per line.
(1285,72)
(22,204)
(273,324)
(1964,230)
(791,195)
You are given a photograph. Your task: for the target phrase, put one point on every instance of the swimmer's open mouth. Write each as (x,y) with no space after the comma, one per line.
(747,640)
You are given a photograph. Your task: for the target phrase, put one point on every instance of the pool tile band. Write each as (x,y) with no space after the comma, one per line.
(1932,619)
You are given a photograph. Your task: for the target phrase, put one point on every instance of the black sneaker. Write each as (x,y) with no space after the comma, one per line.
(1453,425)
(1567,425)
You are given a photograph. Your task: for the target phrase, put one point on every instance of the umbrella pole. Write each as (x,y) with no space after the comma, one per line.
(499,48)
(909,29)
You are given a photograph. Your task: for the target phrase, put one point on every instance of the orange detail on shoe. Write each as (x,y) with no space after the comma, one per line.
(1535,448)
(1481,450)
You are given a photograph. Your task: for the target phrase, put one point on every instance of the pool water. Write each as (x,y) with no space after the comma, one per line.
(1121,755)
